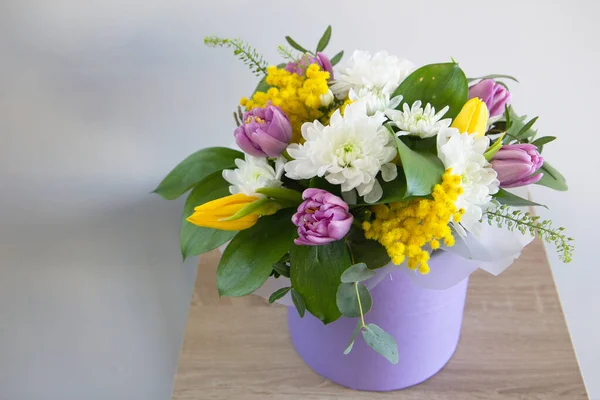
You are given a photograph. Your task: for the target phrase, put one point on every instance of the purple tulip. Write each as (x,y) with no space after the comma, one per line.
(306,59)
(265,132)
(494,95)
(516,164)
(322,218)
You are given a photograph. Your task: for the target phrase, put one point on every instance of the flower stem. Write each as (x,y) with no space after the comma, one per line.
(362,315)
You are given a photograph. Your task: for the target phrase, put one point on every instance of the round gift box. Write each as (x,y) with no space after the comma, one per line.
(426,324)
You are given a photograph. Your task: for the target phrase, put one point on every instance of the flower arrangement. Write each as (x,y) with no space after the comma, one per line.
(343,172)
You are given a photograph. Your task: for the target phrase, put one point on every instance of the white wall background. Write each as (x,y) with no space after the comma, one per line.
(99,99)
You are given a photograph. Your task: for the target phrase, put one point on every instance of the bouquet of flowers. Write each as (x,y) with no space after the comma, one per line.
(344,172)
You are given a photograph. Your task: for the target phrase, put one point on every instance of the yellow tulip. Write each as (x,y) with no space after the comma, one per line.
(214,213)
(472,118)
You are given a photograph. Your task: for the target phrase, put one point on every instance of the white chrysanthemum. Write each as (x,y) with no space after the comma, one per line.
(464,154)
(380,73)
(252,174)
(350,152)
(417,121)
(375,101)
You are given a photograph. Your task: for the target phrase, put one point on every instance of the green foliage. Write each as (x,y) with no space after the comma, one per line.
(299,303)
(262,206)
(509,199)
(493,149)
(279,294)
(195,168)
(248,260)
(382,342)
(353,299)
(315,273)
(367,251)
(324,41)
(353,338)
(337,58)
(296,46)
(524,222)
(284,196)
(552,178)
(243,51)
(516,128)
(421,169)
(286,53)
(195,239)
(322,183)
(437,84)
(540,142)
(357,273)
(282,269)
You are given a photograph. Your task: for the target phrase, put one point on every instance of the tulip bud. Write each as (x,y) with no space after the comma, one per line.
(265,132)
(516,164)
(214,214)
(472,118)
(495,96)
(322,218)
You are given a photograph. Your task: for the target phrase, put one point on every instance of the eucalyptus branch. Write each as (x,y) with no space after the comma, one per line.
(362,314)
(243,51)
(524,222)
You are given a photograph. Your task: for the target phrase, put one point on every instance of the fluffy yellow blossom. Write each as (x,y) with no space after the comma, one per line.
(405,228)
(298,96)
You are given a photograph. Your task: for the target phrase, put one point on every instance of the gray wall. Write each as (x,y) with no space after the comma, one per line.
(100,98)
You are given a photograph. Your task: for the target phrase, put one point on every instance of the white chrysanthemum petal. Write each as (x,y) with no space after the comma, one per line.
(419,121)
(350,151)
(378,74)
(375,193)
(254,173)
(464,154)
(389,172)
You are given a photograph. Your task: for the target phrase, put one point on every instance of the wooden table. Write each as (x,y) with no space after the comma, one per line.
(514,345)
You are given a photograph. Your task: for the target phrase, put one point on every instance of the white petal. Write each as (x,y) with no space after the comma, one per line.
(389,172)
(375,193)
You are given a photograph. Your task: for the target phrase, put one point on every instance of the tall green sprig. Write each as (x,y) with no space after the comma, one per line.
(524,222)
(243,51)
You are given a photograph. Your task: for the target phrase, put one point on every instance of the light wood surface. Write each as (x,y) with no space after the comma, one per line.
(514,345)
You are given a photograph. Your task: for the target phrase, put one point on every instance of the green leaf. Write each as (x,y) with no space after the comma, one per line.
(315,273)
(353,337)
(347,299)
(382,342)
(322,183)
(195,168)
(278,294)
(282,269)
(262,206)
(337,58)
(195,239)
(295,45)
(506,197)
(248,260)
(367,251)
(493,76)
(422,170)
(552,178)
(324,41)
(540,142)
(299,303)
(357,273)
(437,84)
(493,149)
(526,127)
(285,196)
